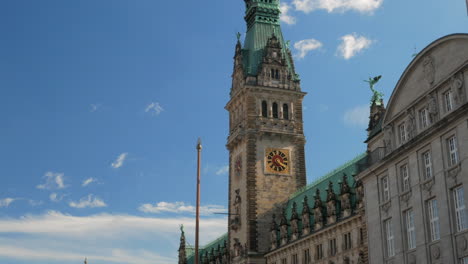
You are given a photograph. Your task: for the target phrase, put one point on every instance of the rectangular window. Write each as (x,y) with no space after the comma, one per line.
(347,241)
(284,261)
(402,133)
(464,260)
(433,219)
(410,229)
(427,160)
(405,181)
(385,189)
(453,150)
(448,97)
(389,238)
(332,245)
(306,256)
(361,235)
(460,210)
(319,251)
(424,118)
(294,259)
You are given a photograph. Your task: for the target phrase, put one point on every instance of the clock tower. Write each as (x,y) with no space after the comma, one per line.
(266,137)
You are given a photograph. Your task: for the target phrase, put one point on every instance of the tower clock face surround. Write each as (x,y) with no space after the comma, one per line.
(277,161)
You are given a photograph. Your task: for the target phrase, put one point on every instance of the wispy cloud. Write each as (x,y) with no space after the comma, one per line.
(352,44)
(7,201)
(35,203)
(305,46)
(357,116)
(105,238)
(285,16)
(53,180)
(223,170)
(362,6)
(88,182)
(119,161)
(54,197)
(94,107)
(154,108)
(89,201)
(180,208)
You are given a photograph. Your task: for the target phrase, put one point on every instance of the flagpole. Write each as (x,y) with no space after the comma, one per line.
(197,221)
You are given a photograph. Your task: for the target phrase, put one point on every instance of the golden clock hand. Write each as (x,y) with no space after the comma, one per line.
(278,161)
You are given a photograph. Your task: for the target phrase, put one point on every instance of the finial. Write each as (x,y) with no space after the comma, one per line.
(199,146)
(182,228)
(86,261)
(238,35)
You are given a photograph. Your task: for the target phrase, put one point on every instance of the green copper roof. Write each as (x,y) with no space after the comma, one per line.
(207,248)
(263,22)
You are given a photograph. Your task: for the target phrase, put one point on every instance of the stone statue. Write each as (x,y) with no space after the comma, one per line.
(288,43)
(376,95)
(318,214)
(305,215)
(344,185)
(294,222)
(359,194)
(345,197)
(235,224)
(284,228)
(330,193)
(237,248)
(456,86)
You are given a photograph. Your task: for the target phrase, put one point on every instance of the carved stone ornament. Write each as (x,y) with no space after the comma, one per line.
(405,197)
(360,258)
(284,228)
(429,69)
(238,249)
(388,136)
(294,223)
(432,106)
(435,252)
(236,222)
(456,85)
(462,244)
(427,185)
(453,173)
(305,217)
(386,206)
(359,194)
(411,123)
(318,211)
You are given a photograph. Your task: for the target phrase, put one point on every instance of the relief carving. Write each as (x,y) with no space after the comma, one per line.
(412,259)
(456,85)
(435,252)
(388,135)
(236,221)
(432,106)
(429,70)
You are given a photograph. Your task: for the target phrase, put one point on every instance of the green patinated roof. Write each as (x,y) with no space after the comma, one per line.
(350,168)
(207,248)
(263,22)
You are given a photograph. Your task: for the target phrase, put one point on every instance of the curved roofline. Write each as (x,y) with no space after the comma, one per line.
(419,56)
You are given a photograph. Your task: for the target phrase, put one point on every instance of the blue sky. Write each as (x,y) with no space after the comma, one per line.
(102,102)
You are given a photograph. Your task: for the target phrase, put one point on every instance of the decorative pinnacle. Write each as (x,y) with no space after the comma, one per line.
(86,261)
(199,145)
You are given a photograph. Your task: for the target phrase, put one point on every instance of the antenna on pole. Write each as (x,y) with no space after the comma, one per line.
(197,221)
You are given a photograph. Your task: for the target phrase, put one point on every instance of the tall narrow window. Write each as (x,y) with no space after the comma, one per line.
(448,97)
(433,219)
(385,189)
(277,74)
(275,110)
(306,256)
(405,181)
(389,239)
(464,260)
(453,150)
(427,160)
(285,111)
(347,241)
(284,261)
(402,133)
(294,259)
(319,252)
(460,210)
(410,229)
(264,109)
(424,118)
(332,245)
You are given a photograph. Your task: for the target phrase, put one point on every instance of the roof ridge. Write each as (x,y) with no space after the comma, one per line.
(328,175)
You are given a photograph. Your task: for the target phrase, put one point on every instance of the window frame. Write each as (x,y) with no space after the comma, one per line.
(424,118)
(405,177)
(461,218)
(333,248)
(448,101)
(427,164)
(452,148)
(410,229)
(385,185)
(433,217)
(402,133)
(389,238)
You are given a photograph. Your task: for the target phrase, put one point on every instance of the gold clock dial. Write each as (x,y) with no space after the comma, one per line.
(277,161)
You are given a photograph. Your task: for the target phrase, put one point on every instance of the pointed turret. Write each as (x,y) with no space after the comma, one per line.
(182,252)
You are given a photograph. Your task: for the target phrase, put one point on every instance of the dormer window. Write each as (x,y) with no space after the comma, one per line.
(274,74)
(402,133)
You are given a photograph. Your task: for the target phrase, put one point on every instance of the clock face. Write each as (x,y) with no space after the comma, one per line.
(238,165)
(277,161)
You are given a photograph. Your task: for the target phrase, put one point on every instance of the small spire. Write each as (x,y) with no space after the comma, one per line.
(86,261)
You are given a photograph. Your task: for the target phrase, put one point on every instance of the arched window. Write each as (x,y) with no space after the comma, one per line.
(275,110)
(277,75)
(264,109)
(285,112)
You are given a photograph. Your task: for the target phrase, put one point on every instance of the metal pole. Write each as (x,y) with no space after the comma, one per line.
(197,223)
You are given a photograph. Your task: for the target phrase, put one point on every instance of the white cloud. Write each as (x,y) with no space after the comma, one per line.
(352,44)
(285,17)
(54,197)
(53,180)
(357,116)
(35,203)
(306,45)
(88,182)
(103,238)
(223,170)
(362,6)
(154,108)
(7,201)
(89,201)
(94,107)
(119,161)
(180,208)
